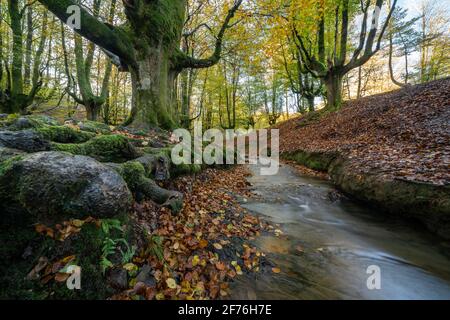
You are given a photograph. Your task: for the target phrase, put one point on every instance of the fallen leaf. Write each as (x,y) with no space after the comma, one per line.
(195,260)
(61,277)
(203,243)
(171,283)
(77,223)
(130,267)
(220,266)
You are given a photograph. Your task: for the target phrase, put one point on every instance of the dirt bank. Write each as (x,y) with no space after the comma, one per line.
(391,150)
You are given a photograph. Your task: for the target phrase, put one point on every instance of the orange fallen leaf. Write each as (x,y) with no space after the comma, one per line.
(220,266)
(61,277)
(203,243)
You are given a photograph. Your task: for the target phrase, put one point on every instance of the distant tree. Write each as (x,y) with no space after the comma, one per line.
(273,100)
(92,102)
(15,98)
(301,82)
(327,59)
(403,40)
(434,40)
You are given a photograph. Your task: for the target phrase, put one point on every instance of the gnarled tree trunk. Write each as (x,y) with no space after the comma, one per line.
(148,47)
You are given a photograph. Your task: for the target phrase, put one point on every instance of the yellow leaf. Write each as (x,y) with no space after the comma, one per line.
(276,270)
(130,267)
(77,223)
(195,261)
(159,296)
(238,270)
(68,259)
(223,293)
(218,246)
(171,283)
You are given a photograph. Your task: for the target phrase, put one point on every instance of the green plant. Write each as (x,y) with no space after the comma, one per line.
(128,254)
(155,247)
(109,247)
(111,224)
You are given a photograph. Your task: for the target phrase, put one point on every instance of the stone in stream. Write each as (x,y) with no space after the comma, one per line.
(52,186)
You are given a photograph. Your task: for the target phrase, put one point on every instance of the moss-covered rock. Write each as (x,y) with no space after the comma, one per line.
(53,185)
(16,122)
(142,187)
(7,153)
(427,203)
(108,148)
(64,134)
(319,161)
(182,169)
(94,127)
(25,140)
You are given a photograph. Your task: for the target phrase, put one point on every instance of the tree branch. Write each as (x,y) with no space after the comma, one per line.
(185,61)
(94,30)
(369,51)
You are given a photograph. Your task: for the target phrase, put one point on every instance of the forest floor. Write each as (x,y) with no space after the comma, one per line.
(197,252)
(404,133)
(207,244)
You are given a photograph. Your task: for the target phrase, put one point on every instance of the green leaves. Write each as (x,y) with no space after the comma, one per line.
(111,224)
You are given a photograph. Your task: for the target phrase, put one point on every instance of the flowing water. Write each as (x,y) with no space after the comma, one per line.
(327,246)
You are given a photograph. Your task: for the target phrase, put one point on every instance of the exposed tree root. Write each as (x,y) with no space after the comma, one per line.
(143,187)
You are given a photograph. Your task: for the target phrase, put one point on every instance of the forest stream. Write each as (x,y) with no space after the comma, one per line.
(327,246)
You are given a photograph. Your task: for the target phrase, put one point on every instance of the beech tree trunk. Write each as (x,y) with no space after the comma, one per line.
(310,103)
(153,84)
(93,111)
(333,84)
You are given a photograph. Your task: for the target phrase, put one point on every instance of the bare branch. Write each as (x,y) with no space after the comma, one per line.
(185,61)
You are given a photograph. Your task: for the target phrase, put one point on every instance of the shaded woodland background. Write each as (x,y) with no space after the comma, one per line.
(261,78)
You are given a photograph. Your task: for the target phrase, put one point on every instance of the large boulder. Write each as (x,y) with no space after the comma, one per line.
(6,153)
(25,140)
(56,185)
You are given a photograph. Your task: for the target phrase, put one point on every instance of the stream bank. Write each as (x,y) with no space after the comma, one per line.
(328,243)
(425,202)
(390,151)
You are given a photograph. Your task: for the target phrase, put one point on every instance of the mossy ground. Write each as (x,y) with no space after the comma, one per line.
(85,245)
(64,134)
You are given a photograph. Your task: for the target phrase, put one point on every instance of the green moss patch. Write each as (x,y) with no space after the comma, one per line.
(108,148)
(64,134)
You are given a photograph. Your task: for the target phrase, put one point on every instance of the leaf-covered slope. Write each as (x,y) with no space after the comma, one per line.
(404,133)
